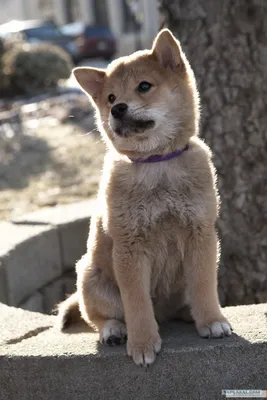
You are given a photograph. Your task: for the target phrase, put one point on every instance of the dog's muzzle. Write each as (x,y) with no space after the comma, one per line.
(129,126)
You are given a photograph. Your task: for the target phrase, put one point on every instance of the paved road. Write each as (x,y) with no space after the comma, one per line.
(96,63)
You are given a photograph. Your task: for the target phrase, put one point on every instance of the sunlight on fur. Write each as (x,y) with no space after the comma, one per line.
(152,248)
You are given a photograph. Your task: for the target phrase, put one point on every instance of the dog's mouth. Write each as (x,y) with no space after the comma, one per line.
(130,126)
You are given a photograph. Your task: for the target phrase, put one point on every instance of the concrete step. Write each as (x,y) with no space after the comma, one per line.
(39,363)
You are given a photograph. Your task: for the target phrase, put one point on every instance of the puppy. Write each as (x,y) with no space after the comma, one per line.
(152,251)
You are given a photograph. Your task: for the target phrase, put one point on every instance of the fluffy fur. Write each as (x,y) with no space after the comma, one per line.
(152,248)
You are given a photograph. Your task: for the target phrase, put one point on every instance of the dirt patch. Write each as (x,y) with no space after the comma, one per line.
(50,161)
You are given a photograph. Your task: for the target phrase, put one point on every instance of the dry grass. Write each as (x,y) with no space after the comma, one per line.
(49,165)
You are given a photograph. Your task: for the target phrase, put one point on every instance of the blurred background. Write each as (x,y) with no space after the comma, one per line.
(51,153)
(40,42)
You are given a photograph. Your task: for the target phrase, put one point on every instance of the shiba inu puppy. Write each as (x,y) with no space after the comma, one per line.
(152,248)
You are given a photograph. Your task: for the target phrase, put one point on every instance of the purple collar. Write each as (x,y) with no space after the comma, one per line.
(158,157)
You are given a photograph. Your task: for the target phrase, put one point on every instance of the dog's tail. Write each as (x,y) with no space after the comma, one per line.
(68,312)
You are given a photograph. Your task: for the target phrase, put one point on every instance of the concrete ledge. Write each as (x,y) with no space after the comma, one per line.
(30,258)
(42,363)
(38,253)
(72,222)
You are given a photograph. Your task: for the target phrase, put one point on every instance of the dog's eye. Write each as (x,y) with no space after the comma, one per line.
(111,98)
(144,87)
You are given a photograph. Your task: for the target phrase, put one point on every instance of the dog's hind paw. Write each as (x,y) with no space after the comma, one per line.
(113,333)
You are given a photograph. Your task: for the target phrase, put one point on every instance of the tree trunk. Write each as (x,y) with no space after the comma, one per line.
(226,44)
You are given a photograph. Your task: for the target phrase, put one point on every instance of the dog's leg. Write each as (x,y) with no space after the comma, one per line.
(100,303)
(132,270)
(201,278)
(97,299)
(105,314)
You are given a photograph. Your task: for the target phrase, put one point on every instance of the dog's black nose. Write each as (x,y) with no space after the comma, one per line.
(119,110)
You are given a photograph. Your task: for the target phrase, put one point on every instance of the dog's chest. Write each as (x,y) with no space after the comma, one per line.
(146,207)
(153,206)
(140,199)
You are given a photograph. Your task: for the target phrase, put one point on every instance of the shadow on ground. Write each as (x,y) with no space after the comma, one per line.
(176,334)
(23,157)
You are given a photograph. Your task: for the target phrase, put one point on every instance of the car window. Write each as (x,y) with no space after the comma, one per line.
(97,31)
(44,32)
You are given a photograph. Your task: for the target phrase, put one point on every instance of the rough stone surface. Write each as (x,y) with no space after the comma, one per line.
(3,284)
(17,325)
(30,256)
(38,254)
(73,241)
(34,303)
(226,44)
(70,283)
(56,291)
(42,363)
(46,298)
(53,294)
(72,222)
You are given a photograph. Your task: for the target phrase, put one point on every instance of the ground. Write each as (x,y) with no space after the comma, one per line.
(50,166)
(52,155)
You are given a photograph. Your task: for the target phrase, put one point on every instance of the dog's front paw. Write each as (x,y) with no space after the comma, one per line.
(143,351)
(215,329)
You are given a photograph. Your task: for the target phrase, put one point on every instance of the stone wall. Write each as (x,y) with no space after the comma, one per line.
(46,298)
(38,253)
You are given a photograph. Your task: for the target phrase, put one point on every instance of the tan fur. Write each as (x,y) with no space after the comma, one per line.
(68,311)
(152,247)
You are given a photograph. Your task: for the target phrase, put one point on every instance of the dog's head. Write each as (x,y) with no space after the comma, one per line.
(146,102)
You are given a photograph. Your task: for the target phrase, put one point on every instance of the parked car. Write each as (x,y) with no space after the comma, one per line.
(35,31)
(92,40)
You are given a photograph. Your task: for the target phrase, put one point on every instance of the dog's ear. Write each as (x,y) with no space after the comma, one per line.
(91,80)
(167,49)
